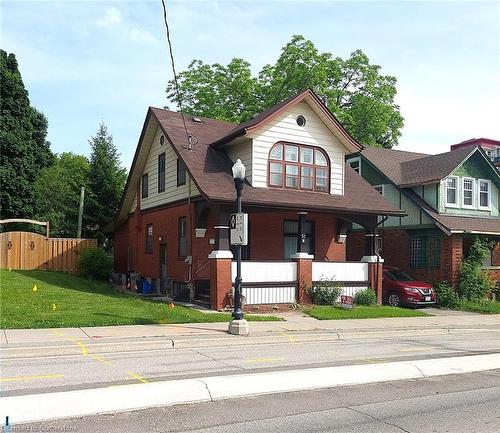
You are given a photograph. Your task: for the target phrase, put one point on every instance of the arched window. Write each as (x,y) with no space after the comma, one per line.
(299,167)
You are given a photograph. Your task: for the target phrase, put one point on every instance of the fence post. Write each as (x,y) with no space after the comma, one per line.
(304,276)
(220,277)
(375,269)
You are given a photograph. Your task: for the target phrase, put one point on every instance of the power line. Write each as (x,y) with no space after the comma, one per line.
(189,138)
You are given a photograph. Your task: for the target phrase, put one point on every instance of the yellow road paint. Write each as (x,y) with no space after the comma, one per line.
(137,377)
(291,338)
(83,348)
(369,360)
(101,359)
(25,378)
(256,360)
(59,334)
(415,349)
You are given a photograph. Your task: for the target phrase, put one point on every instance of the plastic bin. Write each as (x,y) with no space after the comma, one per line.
(146,287)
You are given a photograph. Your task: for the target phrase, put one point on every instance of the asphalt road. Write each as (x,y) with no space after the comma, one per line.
(457,403)
(27,375)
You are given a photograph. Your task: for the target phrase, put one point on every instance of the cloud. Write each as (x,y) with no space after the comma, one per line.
(138,35)
(111,18)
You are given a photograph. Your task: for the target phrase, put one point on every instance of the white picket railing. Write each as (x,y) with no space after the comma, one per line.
(261,276)
(340,271)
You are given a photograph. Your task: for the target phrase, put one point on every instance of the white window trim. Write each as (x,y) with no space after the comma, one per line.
(479,194)
(380,186)
(358,160)
(474,187)
(457,189)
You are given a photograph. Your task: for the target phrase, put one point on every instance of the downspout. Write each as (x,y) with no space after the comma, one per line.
(189,258)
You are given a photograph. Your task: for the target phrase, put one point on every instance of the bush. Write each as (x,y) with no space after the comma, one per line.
(325,292)
(95,264)
(445,295)
(473,282)
(365,297)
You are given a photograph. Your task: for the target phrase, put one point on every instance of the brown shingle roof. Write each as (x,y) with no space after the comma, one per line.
(211,171)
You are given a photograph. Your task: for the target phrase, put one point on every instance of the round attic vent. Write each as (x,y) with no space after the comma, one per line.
(162,140)
(301,120)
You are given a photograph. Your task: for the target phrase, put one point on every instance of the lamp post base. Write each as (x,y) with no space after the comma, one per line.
(238,327)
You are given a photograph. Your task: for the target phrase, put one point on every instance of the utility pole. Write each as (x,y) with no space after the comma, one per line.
(80,213)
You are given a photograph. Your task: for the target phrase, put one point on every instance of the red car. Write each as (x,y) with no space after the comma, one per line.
(399,289)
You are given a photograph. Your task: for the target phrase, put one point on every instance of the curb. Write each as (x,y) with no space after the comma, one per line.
(165,343)
(42,407)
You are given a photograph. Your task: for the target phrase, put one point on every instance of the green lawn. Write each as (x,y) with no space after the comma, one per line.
(328,312)
(485,307)
(63,300)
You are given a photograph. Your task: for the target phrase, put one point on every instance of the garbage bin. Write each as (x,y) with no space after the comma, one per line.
(146,287)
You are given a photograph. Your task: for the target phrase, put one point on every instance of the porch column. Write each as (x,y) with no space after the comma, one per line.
(220,262)
(371,248)
(375,269)
(301,233)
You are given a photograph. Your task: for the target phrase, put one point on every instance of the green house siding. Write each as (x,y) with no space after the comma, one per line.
(477,168)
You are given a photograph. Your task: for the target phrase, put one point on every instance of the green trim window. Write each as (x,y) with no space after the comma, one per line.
(425,252)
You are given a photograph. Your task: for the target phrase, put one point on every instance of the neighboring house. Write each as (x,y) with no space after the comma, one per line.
(490,147)
(449,199)
(172,224)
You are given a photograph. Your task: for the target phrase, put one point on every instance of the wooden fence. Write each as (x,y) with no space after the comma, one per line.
(24,250)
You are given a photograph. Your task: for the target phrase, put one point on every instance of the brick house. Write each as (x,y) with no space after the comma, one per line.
(301,197)
(449,199)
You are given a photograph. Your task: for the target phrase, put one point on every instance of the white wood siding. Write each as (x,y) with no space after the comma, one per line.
(172,191)
(337,271)
(314,133)
(269,295)
(266,272)
(242,151)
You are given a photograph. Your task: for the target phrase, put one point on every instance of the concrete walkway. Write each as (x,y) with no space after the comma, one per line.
(295,325)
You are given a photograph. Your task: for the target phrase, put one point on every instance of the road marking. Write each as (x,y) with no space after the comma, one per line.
(136,376)
(83,348)
(370,360)
(290,337)
(101,359)
(59,334)
(256,360)
(415,349)
(24,378)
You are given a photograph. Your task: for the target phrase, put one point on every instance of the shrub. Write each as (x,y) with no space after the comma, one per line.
(365,297)
(95,264)
(473,282)
(325,292)
(445,295)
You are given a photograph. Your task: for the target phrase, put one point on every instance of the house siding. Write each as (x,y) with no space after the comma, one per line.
(172,192)
(243,151)
(313,133)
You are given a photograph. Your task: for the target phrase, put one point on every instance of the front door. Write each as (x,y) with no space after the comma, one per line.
(163,269)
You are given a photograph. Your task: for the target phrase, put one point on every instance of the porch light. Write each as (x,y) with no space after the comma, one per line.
(239,170)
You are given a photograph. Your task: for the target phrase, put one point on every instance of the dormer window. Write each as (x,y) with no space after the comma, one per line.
(298,166)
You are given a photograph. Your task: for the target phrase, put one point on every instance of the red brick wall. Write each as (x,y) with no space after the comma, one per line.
(495,255)
(266,237)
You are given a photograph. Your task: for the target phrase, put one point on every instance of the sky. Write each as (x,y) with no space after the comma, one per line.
(92,61)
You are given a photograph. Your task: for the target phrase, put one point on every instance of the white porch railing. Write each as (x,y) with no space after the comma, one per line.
(353,276)
(268,282)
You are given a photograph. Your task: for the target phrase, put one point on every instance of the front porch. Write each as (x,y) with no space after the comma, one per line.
(288,252)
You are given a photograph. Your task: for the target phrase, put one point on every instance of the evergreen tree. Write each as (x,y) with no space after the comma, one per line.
(24,150)
(106,181)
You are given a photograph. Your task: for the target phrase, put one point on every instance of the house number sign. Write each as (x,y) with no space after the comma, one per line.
(239,228)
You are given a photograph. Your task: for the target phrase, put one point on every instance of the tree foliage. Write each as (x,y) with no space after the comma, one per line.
(58,190)
(106,180)
(355,90)
(24,150)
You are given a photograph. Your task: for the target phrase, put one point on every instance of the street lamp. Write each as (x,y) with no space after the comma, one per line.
(238,325)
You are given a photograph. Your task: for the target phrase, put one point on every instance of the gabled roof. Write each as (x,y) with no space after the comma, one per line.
(210,169)
(266,116)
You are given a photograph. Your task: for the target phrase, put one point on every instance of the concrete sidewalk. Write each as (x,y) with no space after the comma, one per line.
(295,326)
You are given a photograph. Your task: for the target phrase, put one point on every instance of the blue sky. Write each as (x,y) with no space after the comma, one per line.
(84,62)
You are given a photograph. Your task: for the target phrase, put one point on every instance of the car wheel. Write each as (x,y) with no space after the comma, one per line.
(393,299)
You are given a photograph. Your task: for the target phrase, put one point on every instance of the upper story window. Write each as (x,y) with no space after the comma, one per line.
(452,191)
(161,172)
(355,164)
(379,189)
(299,167)
(181,173)
(467,192)
(145,185)
(484,187)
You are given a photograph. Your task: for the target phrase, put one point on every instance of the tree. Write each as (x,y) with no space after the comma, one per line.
(23,147)
(58,191)
(106,182)
(355,90)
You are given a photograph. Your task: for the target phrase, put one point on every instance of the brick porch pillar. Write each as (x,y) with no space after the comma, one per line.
(304,276)
(375,275)
(220,278)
